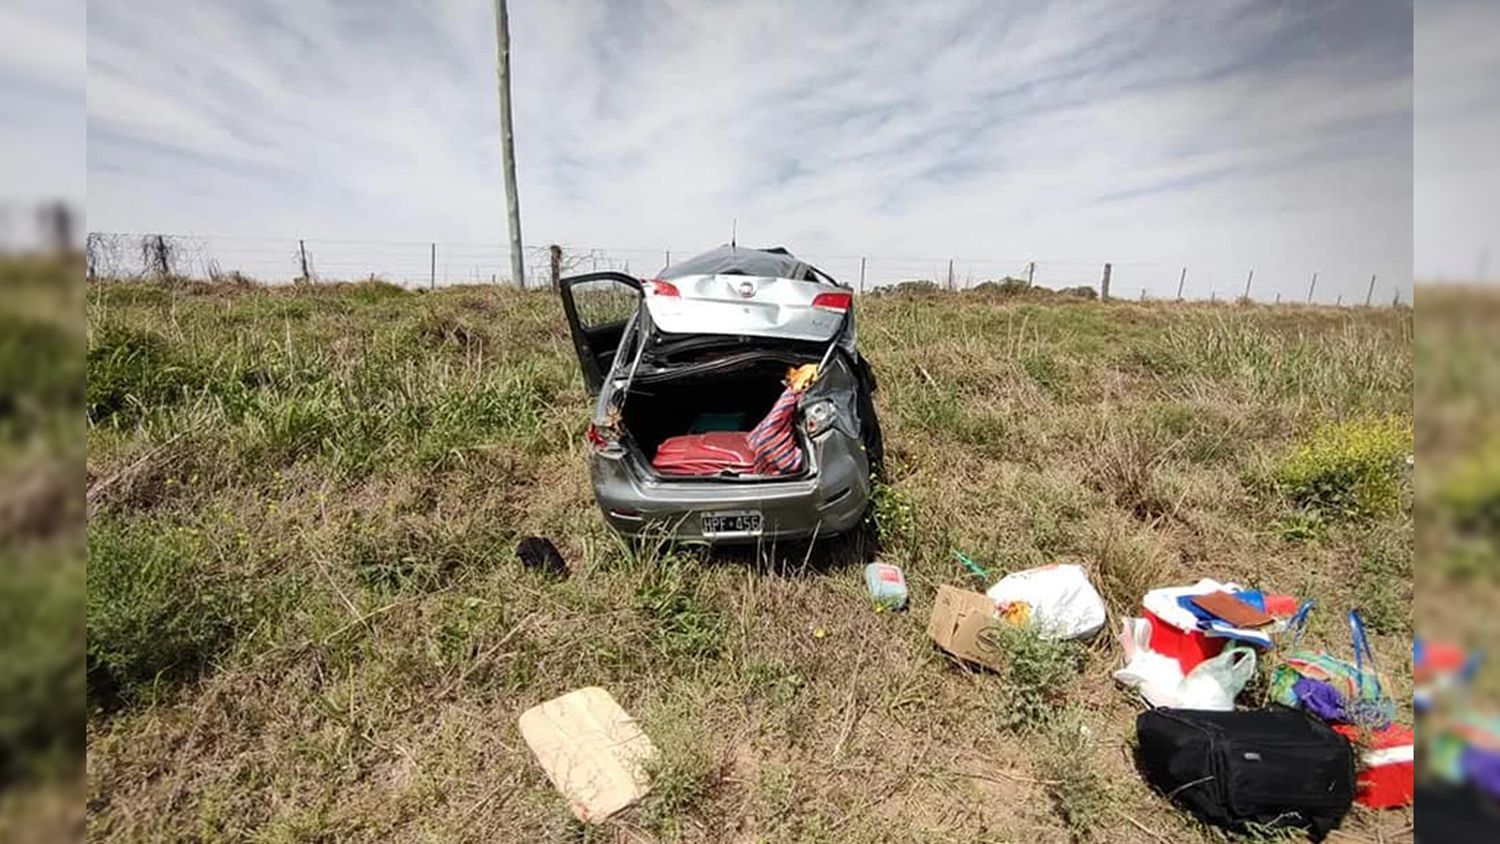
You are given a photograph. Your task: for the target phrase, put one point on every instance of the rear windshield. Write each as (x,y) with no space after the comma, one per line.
(728,260)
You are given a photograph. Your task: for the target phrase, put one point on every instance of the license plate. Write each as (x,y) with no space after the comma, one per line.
(740,522)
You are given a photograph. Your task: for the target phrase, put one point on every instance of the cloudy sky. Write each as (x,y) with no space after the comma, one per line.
(1221,136)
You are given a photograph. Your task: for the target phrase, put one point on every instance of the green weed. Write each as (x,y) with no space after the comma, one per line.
(1079,792)
(1035,670)
(1471,493)
(130,373)
(1349,470)
(41,681)
(155,617)
(684,625)
(895,518)
(682,773)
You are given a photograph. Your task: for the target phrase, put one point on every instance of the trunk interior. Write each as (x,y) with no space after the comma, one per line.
(735,400)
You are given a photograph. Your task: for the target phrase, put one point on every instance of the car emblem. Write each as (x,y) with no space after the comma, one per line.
(747,289)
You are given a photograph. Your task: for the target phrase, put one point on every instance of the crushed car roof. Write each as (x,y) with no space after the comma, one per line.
(771,262)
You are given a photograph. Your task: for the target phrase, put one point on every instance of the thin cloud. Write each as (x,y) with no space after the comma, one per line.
(1228,134)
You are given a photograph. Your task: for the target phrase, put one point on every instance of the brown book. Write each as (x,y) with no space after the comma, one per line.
(1233,610)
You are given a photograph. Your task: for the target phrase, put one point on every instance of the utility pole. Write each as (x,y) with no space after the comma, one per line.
(950,273)
(1030,273)
(1311,287)
(1181,280)
(508,143)
(1370,294)
(861,276)
(1104,284)
(432,270)
(1249,278)
(302,247)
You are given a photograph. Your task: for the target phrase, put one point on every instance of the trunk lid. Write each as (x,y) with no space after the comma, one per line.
(751,306)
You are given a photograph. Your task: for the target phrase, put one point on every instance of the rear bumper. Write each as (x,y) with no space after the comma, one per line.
(830,501)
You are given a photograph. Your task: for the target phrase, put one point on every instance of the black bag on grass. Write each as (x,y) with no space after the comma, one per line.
(1273,767)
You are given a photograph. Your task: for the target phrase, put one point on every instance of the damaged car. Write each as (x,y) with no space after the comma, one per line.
(733,405)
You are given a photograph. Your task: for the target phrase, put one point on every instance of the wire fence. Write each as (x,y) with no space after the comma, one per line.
(417,264)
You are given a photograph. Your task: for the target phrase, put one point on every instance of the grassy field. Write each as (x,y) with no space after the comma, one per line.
(1458,491)
(306,621)
(41,551)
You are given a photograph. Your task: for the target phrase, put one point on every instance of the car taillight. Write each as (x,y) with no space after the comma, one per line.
(657,287)
(833,301)
(596,438)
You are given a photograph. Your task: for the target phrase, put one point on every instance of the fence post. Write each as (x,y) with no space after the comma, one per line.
(1181,280)
(1311,287)
(1213,296)
(669,258)
(1143,294)
(554,258)
(1104,284)
(432,270)
(302,248)
(1030,273)
(1370,294)
(950,274)
(1340,302)
(861,275)
(1278,298)
(161,261)
(1249,278)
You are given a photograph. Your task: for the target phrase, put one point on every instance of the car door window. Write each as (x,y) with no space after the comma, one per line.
(598,307)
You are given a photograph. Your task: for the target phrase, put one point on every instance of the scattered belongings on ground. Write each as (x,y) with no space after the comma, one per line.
(886,585)
(1387,764)
(1439,668)
(1191,654)
(1331,688)
(1211,684)
(1269,768)
(539,553)
(1057,599)
(1194,646)
(959,625)
(593,752)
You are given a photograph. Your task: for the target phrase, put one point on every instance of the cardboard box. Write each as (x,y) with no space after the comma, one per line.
(592,751)
(959,622)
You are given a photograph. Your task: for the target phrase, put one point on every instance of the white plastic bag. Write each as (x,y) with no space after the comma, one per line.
(1064,605)
(1215,683)
(1212,684)
(1156,676)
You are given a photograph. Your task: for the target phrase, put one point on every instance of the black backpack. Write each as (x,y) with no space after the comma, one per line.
(1274,767)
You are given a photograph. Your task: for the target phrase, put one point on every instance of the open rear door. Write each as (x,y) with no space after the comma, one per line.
(598,307)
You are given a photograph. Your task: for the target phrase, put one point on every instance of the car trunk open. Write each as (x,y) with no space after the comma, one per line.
(715,395)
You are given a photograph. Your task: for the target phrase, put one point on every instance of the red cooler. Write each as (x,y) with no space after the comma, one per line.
(1387,772)
(1188,649)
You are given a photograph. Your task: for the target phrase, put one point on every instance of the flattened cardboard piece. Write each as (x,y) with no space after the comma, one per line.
(594,753)
(958,623)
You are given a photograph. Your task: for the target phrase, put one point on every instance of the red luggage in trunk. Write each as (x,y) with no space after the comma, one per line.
(705,454)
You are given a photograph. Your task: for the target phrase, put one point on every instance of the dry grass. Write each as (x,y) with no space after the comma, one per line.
(351,466)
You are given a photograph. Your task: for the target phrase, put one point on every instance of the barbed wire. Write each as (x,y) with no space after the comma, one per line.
(135,255)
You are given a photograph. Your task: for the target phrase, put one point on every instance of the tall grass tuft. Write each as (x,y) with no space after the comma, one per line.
(155,617)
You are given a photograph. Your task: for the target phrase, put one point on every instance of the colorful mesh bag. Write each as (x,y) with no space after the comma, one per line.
(1358,684)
